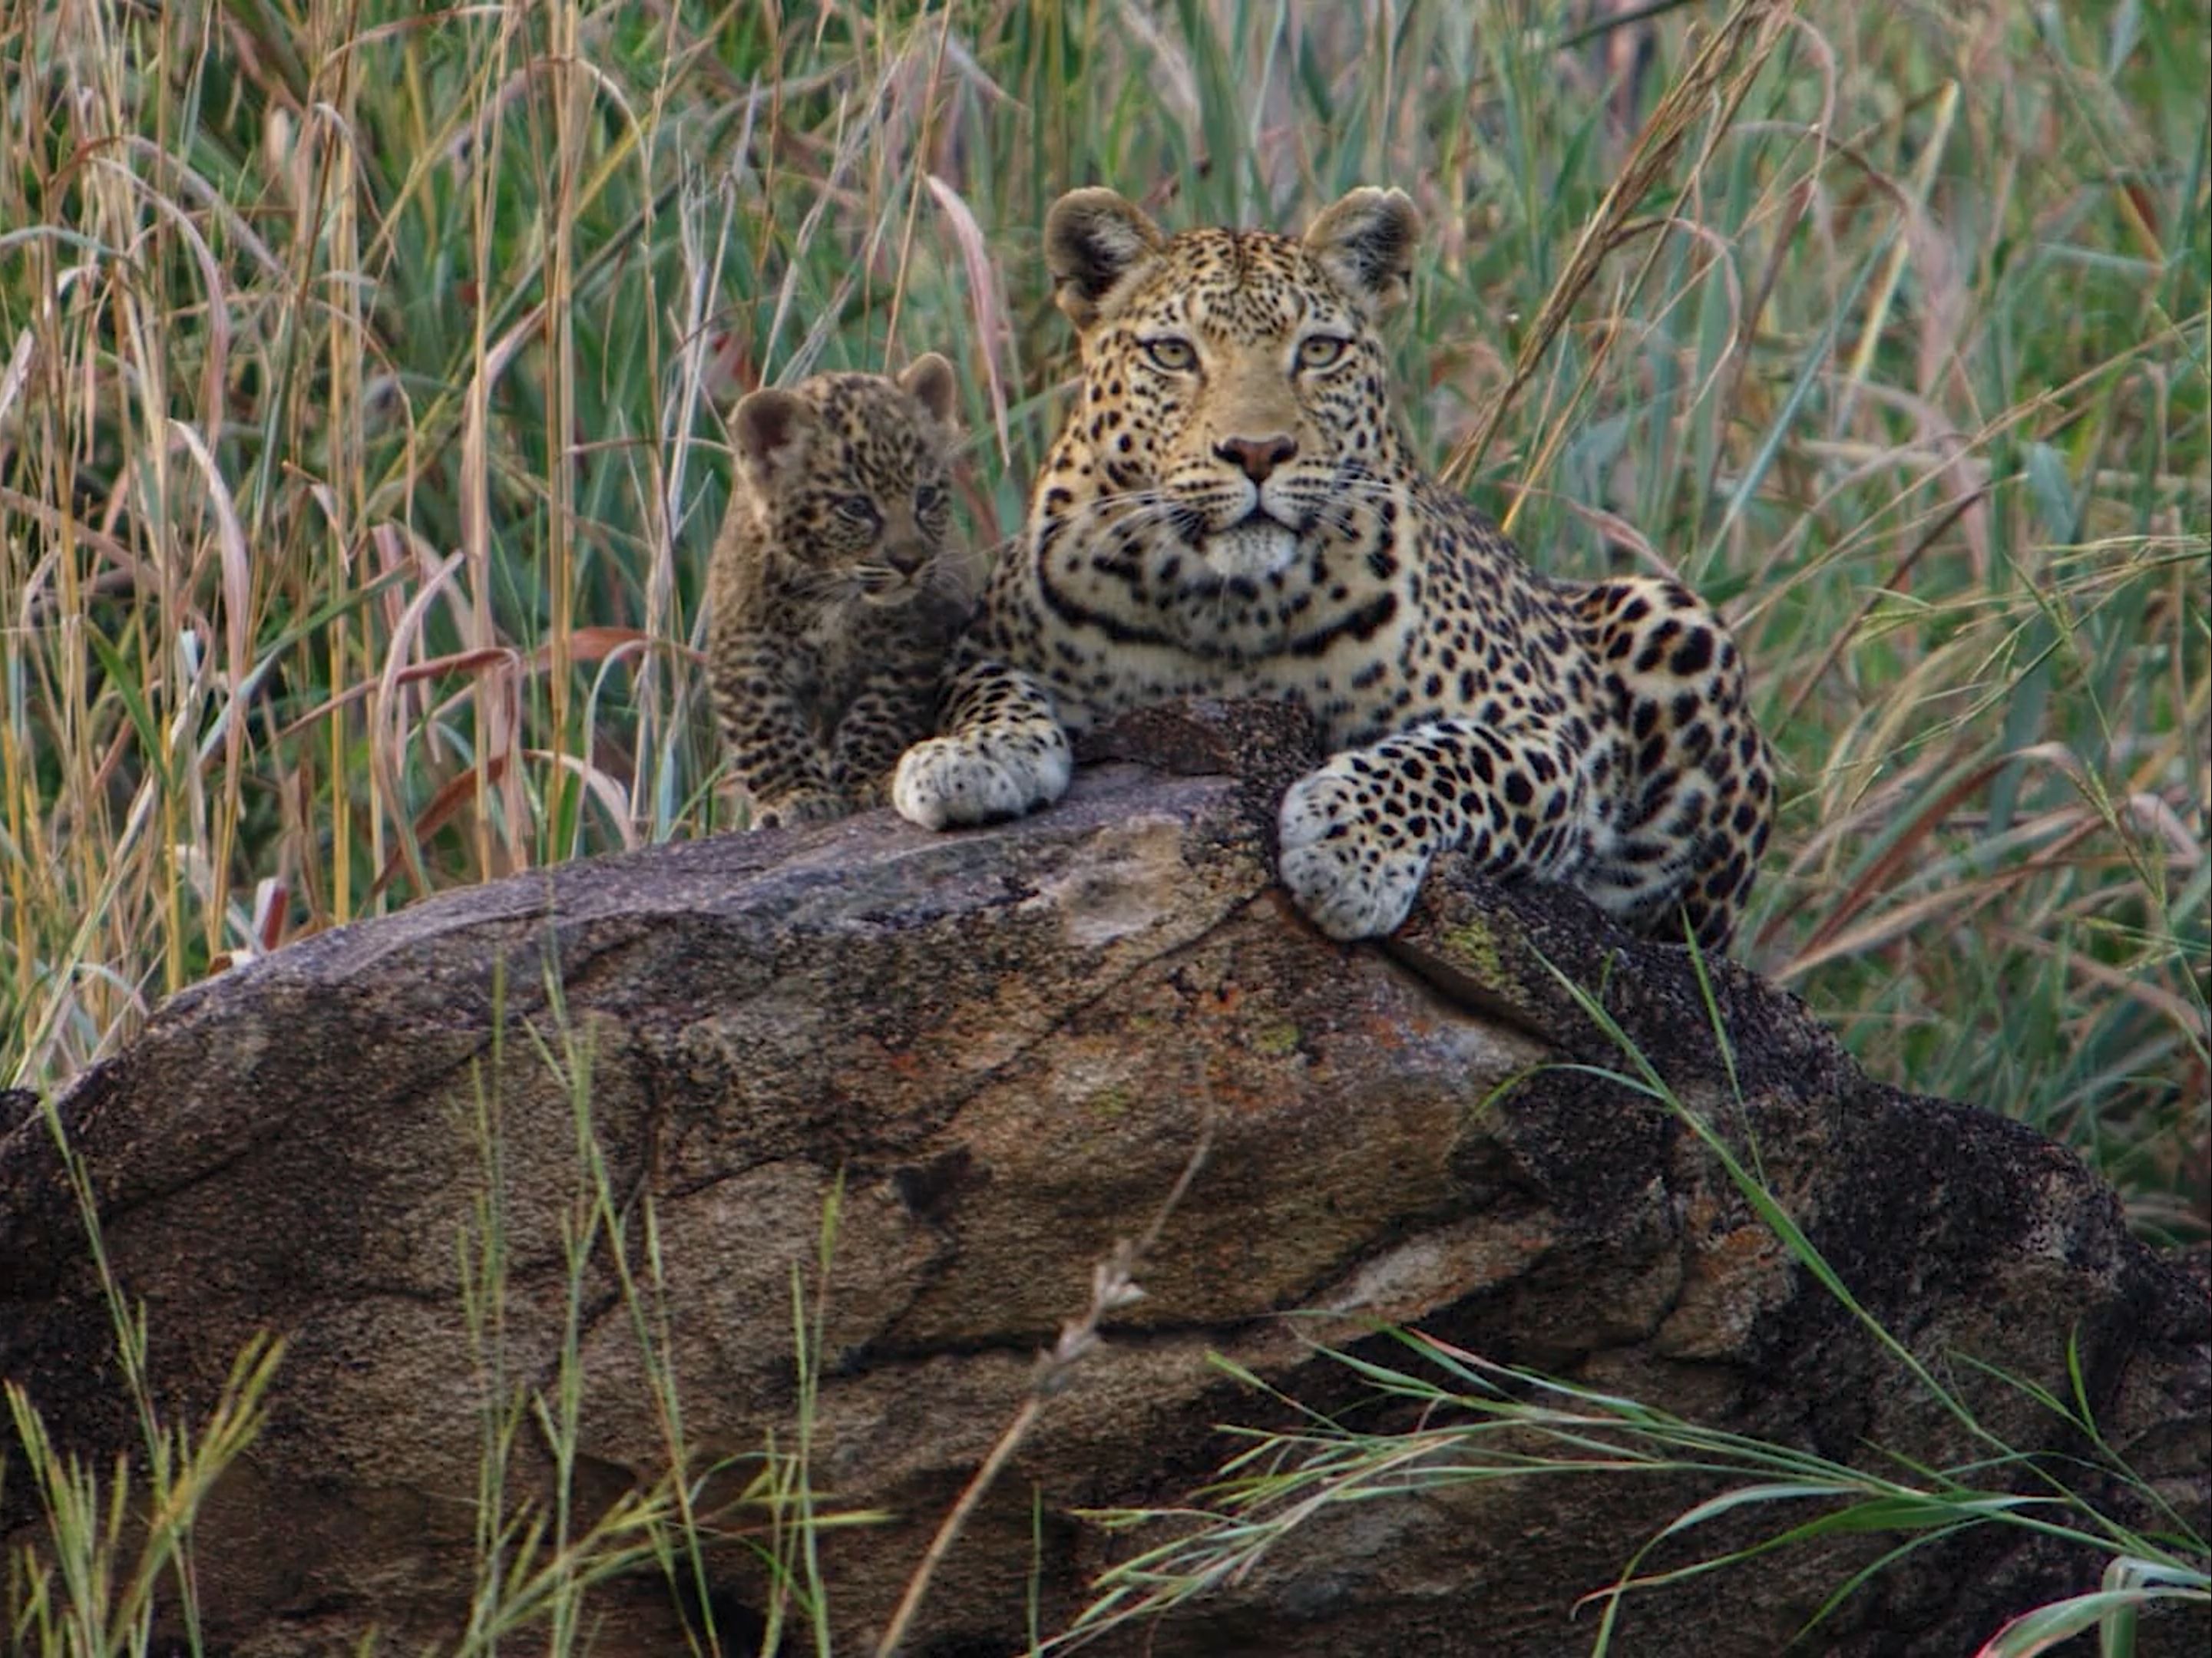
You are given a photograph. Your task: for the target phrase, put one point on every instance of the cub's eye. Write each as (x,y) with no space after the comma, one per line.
(1320,350)
(854,509)
(1173,355)
(927,498)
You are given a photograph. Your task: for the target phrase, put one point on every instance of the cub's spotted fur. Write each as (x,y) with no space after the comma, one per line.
(1231,511)
(833,600)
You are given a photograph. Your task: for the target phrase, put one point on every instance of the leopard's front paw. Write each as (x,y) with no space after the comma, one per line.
(1352,868)
(799,806)
(974,777)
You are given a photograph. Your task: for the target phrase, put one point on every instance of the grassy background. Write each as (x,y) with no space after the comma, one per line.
(360,452)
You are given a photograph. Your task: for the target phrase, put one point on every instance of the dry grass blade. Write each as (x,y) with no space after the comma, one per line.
(986,304)
(1900,573)
(1709,88)
(1878,877)
(1113,1287)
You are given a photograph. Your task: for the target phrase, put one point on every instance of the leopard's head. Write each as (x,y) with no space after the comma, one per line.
(1236,378)
(850,477)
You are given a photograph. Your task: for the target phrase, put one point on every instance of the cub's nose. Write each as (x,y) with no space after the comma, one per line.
(1257,456)
(905,557)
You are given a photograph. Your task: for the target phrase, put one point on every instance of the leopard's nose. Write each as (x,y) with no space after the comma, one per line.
(1257,456)
(906,557)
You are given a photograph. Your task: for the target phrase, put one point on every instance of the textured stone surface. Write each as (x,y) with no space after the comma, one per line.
(1006,1044)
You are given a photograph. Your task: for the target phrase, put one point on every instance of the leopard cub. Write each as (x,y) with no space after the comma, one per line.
(833,599)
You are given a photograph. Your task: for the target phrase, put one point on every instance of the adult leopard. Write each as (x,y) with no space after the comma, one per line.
(1231,511)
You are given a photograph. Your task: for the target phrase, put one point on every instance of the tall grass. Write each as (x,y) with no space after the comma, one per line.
(360,448)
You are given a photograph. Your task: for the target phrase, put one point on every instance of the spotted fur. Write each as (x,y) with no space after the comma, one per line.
(1231,511)
(833,599)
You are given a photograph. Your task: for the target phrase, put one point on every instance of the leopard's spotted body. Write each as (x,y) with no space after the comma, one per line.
(1231,511)
(833,598)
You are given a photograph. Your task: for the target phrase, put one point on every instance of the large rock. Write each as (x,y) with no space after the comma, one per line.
(1005,1045)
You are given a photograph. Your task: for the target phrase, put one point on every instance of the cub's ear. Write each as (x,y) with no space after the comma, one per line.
(929,381)
(770,427)
(1093,239)
(1365,241)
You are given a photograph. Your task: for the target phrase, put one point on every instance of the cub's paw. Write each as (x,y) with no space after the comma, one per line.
(1352,869)
(976,777)
(799,806)
(867,797)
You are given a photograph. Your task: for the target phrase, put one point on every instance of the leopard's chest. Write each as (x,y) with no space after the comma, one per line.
(1372,638)
(1334,646)
(828,652)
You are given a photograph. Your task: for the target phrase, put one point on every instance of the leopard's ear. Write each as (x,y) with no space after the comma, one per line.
(1093,240)
(770,427)
(929,380)
(1365,241)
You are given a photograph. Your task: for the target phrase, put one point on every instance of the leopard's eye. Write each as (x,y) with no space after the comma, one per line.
(1320,350)
(854,509)
(927,498)
(1171,354)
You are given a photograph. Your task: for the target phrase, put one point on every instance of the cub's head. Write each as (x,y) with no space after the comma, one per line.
(1236,377)
(849,476)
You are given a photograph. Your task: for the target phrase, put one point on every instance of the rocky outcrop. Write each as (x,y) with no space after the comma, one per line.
(986,1056)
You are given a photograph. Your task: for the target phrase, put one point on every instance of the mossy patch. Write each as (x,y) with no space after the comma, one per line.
(1472,946)
(1111,1104)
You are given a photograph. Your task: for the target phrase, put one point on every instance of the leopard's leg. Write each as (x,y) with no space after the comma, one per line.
(772,751)
(1003,751)
(1357,835)
(1695,800)
(892,709)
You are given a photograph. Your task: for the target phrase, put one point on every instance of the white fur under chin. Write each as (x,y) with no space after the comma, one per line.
(1250,550)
